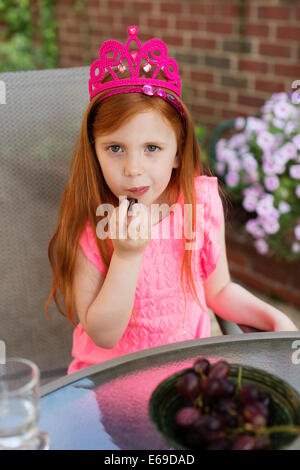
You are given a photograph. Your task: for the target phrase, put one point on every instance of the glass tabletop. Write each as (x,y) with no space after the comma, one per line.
(106,406)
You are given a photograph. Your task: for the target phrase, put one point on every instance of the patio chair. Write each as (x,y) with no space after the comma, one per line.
(40,122)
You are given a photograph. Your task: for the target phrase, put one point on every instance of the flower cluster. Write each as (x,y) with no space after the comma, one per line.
(260,166)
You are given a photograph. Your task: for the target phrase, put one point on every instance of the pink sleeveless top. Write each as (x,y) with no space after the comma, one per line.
(159,300)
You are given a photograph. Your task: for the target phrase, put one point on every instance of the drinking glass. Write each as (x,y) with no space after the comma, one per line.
(20,406)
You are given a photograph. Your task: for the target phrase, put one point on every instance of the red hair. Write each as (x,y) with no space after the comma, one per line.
(87,189)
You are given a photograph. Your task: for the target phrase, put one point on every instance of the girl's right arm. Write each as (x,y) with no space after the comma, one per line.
(104,304)
(109,314)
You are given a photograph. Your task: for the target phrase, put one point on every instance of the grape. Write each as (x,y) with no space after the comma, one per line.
(248,394)
(213,388)
(227,388)
(264,398)
(262,441)
(231,421)
(188,385)
(187,416)
(255,414)
(209,427)
(244,442)
(222,443)
(226,405)
(200,424)
(220,370)
(194,439)
(201,366)
(214,423)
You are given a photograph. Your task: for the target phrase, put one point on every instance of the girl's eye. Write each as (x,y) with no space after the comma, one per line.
(114,148)
(152,148)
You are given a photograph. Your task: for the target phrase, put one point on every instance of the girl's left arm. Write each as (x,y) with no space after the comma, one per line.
(235,304)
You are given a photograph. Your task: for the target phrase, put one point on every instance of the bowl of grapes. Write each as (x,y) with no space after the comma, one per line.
(223,406)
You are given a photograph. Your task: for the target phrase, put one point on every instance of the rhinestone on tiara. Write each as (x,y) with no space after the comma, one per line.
(154,52)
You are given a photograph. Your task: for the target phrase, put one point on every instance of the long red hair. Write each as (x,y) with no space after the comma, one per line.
(87,189)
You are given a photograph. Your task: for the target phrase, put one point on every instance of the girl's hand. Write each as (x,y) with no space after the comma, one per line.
(130,232)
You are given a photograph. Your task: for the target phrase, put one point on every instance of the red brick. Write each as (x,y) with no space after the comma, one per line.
(173,7)
(219,28)
(270,86)
(238,260)
(288,32)
(275,50)
(205,110)
(269,269)
(142,6)
(248,65)
(189,25)
(229,10)
(252,101)
(203,43)
(231,114)
(157,22)
(257,282)
(257,30)
(287,70)
(199,76)
(203,10)
(217,95)
(171,40)
(117,5)
(274,12)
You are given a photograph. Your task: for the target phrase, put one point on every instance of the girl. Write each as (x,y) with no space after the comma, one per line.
(131,288)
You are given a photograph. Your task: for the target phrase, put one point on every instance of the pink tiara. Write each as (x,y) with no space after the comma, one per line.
(152,57)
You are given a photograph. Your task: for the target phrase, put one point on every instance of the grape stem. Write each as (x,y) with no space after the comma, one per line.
(239,382)
(248,427)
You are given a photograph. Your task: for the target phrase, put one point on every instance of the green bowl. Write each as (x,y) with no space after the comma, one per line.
(165,401)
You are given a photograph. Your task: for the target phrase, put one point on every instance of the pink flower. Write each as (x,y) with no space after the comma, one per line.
(261,246)
(297,232)
(270,225)
(265,205)
(284,207)
(265,140)
(249,203)
(295,172)
(271,182)
(253,227)
(296,141)
(239,123)
(298,191)
(232,178)
(296,247)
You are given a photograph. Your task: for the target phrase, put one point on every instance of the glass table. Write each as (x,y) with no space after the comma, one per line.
(106,406)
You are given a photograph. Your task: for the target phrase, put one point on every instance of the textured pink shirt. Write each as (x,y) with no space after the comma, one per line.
(159,300)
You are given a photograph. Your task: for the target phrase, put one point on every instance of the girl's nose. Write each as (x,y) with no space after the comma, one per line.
(133,165)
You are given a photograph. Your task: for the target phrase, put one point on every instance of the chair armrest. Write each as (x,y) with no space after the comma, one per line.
(249,329)
(230,328)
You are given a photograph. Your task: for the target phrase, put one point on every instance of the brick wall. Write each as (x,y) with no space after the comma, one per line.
(223,76)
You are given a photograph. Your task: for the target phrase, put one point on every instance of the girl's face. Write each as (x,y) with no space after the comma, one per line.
(142,152)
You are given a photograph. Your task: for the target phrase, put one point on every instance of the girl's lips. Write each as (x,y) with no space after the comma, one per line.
(139,191)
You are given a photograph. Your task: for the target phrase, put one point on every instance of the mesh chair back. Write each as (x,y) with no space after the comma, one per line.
(40,122)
